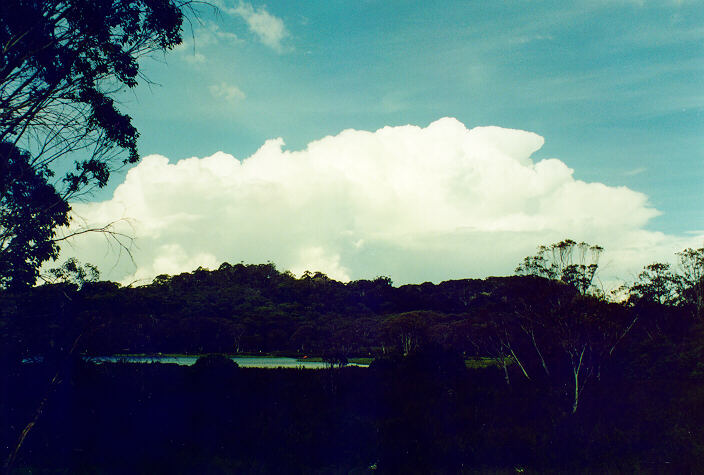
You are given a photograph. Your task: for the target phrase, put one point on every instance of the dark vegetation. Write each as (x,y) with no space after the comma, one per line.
(575,383)
(533,372)
(61,130)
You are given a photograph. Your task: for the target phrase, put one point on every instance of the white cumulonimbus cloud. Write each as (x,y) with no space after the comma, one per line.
(412,203)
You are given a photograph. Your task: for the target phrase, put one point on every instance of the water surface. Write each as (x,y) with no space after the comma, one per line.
(242,361)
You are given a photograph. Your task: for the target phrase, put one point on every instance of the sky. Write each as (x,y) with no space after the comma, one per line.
(423,141)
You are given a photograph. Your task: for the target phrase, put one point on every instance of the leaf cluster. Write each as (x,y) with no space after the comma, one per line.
(61,64)
(573,263)
(30,211)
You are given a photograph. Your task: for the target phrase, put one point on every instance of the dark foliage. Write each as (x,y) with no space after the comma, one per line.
(61,64)
(30,211)
(403,415)
(591,386)
(256,309)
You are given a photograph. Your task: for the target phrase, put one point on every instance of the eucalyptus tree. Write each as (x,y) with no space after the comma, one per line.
(573,263)
(657,283)
(61,64)
(61,131)
(73,272)
(692,278)
(583,328)
(683,285)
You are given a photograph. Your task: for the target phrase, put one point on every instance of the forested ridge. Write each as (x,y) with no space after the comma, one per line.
(520,372)
(541,371)
(537,371)
(257,309)
(532,327)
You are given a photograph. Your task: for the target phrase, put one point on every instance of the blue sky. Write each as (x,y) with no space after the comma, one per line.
(615,88)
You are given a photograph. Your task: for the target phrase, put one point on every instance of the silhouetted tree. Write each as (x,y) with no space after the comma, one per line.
(73,272)
(335,359)
(61,62)
(656,283)
(30,210)
(408,331)
(571,262)
(588,331)
(692,266)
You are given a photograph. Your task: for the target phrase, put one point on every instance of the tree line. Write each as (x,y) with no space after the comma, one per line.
(550,325)
(511,373)
(550,331)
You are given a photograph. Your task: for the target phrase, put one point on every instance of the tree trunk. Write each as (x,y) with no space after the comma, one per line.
(540,354)
(575,403)
(525,373)
(575,370)
(503,363)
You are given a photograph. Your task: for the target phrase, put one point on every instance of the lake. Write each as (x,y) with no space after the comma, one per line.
(242,361)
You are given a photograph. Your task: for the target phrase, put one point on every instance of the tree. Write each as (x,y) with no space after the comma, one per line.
(534,302)
(692,267)
(495,339)
(408,331)
(335,358)
(61,63)
(73,272)
(588,331)
(573,334)
(571,262)
(30,210)
(657,283)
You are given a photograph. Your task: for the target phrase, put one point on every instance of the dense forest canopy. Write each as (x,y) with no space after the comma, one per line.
(531,326)
(546,366)
(528,347)
(256,308)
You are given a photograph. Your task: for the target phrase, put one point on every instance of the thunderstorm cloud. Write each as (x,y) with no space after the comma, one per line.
(413,203)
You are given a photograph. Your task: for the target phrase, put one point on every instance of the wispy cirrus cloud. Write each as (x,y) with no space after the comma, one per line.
(228,92)
(207,35)
(269,29)
(635,171)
